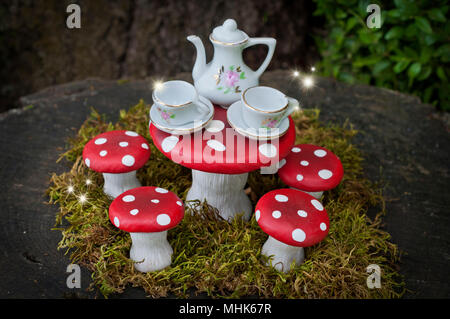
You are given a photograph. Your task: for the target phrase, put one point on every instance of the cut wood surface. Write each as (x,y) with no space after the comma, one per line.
(405,144)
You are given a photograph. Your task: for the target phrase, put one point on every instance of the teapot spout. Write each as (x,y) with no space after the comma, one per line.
(200,62)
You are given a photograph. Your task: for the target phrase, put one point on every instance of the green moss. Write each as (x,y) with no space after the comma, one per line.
(219,258)
(122,81)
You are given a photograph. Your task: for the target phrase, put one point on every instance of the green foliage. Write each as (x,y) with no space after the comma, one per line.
(409,53)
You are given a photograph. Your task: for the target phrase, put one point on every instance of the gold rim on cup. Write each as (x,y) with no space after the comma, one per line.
(169,105)
(258,110)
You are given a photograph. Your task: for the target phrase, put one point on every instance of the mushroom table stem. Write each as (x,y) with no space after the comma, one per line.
(282,255)
(222,191)
(150,251)
(116,184)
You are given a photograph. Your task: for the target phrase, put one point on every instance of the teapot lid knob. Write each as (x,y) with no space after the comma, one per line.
(230,25)
(228,34)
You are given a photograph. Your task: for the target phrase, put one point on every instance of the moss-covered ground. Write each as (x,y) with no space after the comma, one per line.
(221,259)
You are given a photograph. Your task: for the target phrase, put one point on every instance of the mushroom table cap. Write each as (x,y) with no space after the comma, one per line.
(146,209)
(218,148)
(311,168)
(116,152)
(292,217)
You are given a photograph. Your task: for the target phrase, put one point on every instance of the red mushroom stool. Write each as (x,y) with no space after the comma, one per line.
(312,169)
(117,155)
(220,159)
(293,219)
(147,213)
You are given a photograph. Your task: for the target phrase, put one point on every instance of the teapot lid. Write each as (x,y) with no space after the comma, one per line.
(228,34)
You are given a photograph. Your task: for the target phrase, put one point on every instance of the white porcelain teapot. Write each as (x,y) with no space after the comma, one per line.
(224,78)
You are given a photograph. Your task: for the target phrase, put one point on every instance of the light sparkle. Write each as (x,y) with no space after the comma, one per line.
(307,82)
(158,85)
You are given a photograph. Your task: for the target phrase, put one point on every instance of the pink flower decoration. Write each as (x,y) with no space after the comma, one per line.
(231,78)
(272,123)
(164,115)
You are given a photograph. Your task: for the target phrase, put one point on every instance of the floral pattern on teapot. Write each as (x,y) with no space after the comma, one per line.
(224,78)
(229,79)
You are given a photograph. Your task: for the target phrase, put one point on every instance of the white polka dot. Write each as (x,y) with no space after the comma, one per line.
(169,143)
(103,153)
(296,149)
(215,126)
(163,219)
(304,163)
(123,144)
(281,163)
(116,222)
(317,204)
(128,198)
(320,153)
(257,215)
(100,141)
(128,160)
(325,174)
(179,203)
(131,133)
(156,201)
(298,235)
(144,145)
(281,198)
(323,226)
(87,161)
(216,145)
(276,214)
(268,150)
(134,211)
(161,190)
(302,213)
(299,177)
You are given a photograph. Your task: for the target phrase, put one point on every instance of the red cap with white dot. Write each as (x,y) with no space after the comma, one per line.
(292,217)
(311,168)
(146,209)
(116,152)
(220,149)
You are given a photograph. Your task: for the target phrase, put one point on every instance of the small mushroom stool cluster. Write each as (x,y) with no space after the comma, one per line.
(293,219)
(147,213)
(312,169)
(117,154)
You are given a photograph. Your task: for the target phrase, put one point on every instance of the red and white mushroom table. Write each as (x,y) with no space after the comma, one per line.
(220,159)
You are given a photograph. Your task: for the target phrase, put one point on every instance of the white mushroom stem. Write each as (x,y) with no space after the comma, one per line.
(116,184)
(222,191)
(282,255)
(150,251)
(317,195)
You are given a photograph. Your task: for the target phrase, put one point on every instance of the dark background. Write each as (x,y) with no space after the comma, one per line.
(404,141)
(137,39)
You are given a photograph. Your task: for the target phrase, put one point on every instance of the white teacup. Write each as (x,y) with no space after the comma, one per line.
(266,107)
(178,102)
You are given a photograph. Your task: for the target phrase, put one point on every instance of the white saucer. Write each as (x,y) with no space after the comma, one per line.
(186,128)
(234,118)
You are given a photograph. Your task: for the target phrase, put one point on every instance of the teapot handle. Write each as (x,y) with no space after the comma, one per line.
(271,43)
